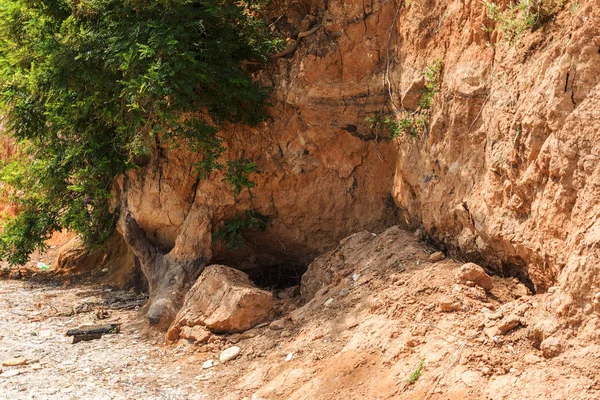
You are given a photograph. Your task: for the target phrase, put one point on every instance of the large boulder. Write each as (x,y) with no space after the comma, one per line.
(223,300)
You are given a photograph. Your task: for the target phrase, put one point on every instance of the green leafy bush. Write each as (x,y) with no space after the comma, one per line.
(432,75)
(409,124)
(522,16)
(89,86)
(231,232)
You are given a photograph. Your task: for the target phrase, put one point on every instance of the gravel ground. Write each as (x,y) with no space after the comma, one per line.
(134,364)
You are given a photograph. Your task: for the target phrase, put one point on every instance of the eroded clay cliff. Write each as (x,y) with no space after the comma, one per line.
(506,174)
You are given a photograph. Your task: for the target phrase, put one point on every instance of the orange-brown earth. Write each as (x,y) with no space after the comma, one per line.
(380,310)
(507,176)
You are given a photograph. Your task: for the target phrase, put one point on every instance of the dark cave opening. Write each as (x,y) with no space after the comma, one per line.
(277,277)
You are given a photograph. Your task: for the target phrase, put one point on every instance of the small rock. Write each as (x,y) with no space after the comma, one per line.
(289,357)
(508,324)
(473,272)
(13,362)
(531,359)
(235,338)
(277,325)
(420,234)
(470,378)
(503,326)
(355,276)
(495,316)
(552,347)
(10,374)
(486,371)
(229,354)
(449,304)
(209,364)
(328,302)
(437,256)
(196,333)
(105,270)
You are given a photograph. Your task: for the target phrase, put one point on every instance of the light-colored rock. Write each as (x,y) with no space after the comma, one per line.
(474,273)
(542,330)
(277,325)
(13,362)
(470,378)
(503,326)
(209,364)
(437,256)
(10,373)
(552,347)
(508,323)
(196,333)
(229,354)
(449,304)
(222,300)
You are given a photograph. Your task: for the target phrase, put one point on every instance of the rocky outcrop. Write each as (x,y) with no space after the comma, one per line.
(506,174)
(222,300)
(114,263)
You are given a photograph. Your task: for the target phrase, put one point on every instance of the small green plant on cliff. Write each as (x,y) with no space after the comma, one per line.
(521,16)
(407,122)
(384,122)
(416,374)
(432,75)
(231,232)
(90,87)
(237,173)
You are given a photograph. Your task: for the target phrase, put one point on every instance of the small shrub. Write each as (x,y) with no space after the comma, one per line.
(432,74)
(384,122)
(237,174)
(416,374)
(232,230)
(522,16)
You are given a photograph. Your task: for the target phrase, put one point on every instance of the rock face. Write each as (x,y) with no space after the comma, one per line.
(222,300)
(509,171)
(75,257)
(507,174)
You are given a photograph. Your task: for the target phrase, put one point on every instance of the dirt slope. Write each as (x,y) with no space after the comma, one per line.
(384,319)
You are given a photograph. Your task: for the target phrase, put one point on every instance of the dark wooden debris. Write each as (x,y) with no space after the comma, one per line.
(89,336)
(91,332)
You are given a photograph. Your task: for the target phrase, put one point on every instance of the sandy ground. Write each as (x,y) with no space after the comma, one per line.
(134,364)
